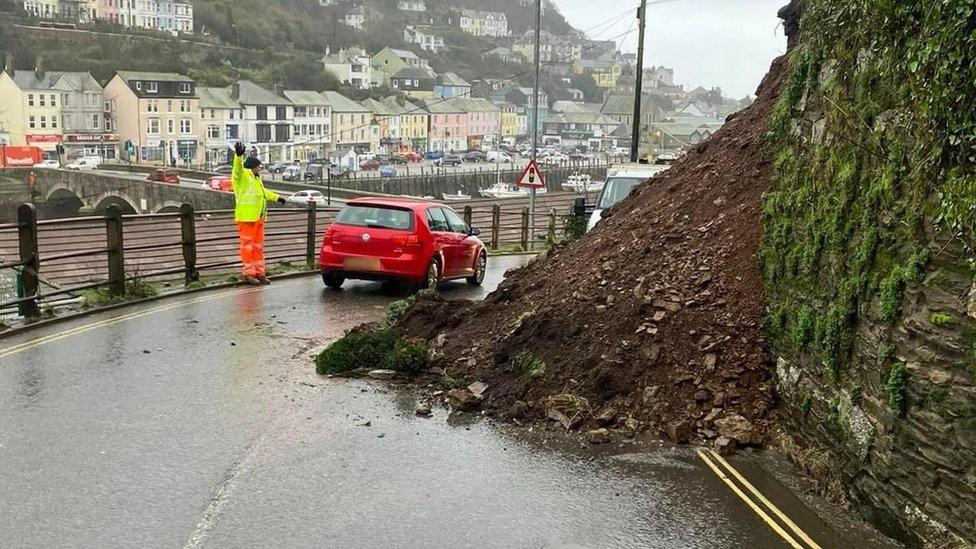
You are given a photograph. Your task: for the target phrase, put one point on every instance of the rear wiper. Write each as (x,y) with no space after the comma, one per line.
(376,226)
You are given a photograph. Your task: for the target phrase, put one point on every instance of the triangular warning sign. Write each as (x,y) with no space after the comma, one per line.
(531,177)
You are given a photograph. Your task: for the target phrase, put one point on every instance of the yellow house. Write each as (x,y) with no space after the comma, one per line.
(509,119)
(351,124)
(414,123)
(30,110)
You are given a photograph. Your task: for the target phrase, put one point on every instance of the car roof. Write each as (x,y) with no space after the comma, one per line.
(413,204)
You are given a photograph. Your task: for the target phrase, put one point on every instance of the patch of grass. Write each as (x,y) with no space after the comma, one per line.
(98,298)
(803,328)
(940,319)
(525,364)
(396,309)
(520,319)
(139,289)
(408,357)
(357,351)
(895,388)
(449,382)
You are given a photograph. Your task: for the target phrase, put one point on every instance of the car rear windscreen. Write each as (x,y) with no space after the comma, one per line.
(376,217)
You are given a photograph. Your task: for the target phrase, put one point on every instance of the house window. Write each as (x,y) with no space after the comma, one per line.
(43,121)
(152,87)
(30,100)
(152,106)
(64,100)
(54,121)
(40,96)
(170,125)
(95,121)
(139,86)
(53,98)
(213,132)
(281,113)
(32,122)
(282,133)
(262,113)
(185,87)
(186,126)
(231,131)
(184,105)
(153,128)
(232,114)
(263,132)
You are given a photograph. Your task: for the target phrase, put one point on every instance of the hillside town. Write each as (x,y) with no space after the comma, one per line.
(151,118)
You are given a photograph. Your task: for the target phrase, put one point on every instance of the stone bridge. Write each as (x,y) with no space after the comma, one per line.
(63,193)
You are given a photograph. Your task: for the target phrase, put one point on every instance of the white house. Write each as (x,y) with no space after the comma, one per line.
(268,120)
(424,37)
(484,23)
(313,124)
(356,18)
(174,16)
(221,118)
(411,5)
(351,66)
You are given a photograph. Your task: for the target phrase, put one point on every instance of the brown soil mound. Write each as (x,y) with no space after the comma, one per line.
(655,315)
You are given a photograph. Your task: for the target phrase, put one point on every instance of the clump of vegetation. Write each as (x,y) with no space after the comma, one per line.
(525,364)
(895,388)
(362,351)
(803,328)
(396,310)
(940,319)
(892,288)
(380,349)
(140,289)
(408,357)
(574,228)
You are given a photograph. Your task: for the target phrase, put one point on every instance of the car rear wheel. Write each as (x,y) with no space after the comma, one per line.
(333,280)
(433,276)
(479,271)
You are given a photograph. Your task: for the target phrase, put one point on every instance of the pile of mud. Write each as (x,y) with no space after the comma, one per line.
(651,323)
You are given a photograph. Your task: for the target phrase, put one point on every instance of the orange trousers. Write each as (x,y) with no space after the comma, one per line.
(252,247)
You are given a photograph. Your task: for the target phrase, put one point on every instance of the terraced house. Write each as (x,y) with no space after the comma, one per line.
(414,123)
(484,23)
(268,120)
(159,113)
(313,124)
(221,118)
(30,110)
(352,124)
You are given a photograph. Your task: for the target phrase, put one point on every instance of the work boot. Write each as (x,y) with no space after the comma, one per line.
(264,280)
(252,281)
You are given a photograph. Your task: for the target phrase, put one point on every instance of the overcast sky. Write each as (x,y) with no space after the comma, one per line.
(727,43)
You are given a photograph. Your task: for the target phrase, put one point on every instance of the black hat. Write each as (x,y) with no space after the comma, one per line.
(252,162)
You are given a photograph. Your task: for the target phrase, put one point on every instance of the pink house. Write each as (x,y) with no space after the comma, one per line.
(448,125)
(108,10)
(484,120)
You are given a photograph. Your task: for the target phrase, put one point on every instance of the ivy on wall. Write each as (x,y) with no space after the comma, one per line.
(874,136)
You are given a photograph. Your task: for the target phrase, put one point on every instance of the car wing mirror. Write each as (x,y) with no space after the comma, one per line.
(474,231)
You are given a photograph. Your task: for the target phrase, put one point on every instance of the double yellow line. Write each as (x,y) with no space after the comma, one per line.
(757,501)
(34,343)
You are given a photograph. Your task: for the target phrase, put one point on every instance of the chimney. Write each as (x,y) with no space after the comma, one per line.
(39,66)
(8,63)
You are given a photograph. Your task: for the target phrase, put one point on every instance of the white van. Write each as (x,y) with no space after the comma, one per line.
(621,179)
(499,156)
(85,163)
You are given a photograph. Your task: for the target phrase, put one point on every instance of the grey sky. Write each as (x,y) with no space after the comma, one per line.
(727,43)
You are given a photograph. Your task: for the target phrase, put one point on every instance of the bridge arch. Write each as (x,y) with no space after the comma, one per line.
(169,206)
(62,202)
(125,204)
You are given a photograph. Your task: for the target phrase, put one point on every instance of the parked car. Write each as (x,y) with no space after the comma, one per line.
(499,156)
(449,160)
(85,163)
(475,156)
(434,155)
(164,176)
(399,159)
(369,165)
(223,169)
(219,183)
(48,164)
(421,243)
(302,198)
(292,172)
(382,158)
(414,156)
(313,171)
(388,171)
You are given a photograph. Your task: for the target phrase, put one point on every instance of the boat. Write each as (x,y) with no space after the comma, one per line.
(457,197)
(506,190)
(582,183)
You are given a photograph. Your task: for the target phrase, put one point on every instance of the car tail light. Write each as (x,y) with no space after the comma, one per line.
(331,233)
(409,240)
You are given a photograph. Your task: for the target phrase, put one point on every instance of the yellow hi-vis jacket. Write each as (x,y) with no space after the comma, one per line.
(249,194)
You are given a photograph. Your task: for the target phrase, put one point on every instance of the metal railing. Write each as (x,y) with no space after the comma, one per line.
(58,259)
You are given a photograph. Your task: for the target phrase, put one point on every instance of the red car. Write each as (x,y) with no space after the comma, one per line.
(422,243)
(219,183)
(369,165)
(414,157)
(164,176)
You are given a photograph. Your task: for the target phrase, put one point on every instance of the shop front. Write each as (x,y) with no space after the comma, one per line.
(47,142)
(104,145)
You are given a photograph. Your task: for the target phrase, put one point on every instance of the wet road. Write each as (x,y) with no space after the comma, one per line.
(199,422)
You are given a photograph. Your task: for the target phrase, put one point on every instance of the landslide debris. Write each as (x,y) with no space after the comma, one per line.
(651,323)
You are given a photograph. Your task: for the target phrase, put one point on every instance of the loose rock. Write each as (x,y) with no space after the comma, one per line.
(724,446)
(599,436)
(382,374)
(739,429)
(462,399)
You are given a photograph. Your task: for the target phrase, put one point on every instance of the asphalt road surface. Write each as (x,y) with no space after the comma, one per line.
(198,421)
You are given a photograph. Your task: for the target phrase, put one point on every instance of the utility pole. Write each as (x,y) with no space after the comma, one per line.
(535,111)
(635,135)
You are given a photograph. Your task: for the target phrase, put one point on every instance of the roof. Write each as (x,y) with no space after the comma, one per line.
(32,80)
(412,72)
(153,76)
(451,79)
(404,54)
(472,104)
(341,103)
(306,98)
(580,118)
(217,98)
(379,107)
(449,106)
(250,93)
(571,106)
